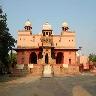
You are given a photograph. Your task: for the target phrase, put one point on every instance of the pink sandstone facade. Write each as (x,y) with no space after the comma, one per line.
(35,52)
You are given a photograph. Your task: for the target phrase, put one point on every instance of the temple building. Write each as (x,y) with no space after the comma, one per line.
(47,54)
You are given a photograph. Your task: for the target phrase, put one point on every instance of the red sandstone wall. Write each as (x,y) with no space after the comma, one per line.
(24,54)
(69,55)
(19,57)
(27,55)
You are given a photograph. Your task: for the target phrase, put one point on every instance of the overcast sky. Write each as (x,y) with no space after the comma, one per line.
(80,15)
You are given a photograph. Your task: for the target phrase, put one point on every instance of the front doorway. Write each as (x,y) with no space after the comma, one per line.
(46,58)
(33,58)
(59,58)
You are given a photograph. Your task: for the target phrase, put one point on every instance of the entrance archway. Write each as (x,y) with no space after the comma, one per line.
(46,58)
(69,61)
(33,58)
(59,58)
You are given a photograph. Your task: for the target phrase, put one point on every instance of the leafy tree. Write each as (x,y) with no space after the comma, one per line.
(92,57)
(13,59)
(6,42)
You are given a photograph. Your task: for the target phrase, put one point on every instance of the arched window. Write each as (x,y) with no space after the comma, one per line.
(69,61)
(59,58)
(43,33)
(46,58)
(33,58)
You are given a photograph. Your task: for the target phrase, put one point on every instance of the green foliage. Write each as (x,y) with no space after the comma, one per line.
(6,40)
(92,57)
(13,59)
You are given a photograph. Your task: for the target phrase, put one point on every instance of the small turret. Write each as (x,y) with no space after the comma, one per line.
(47,26)
(65,26)
(47,29)
(28,25)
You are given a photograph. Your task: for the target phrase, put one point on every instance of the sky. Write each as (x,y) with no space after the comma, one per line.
(79,14)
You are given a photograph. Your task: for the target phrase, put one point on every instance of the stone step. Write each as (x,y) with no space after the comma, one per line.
(47,71)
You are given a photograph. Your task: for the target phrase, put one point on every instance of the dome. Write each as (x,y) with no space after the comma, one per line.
(47,26)
(28,23)
(64,24)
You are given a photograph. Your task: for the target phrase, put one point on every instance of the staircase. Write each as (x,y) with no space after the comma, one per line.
(47,72)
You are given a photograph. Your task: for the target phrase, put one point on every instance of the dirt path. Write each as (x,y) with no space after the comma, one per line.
(36,86)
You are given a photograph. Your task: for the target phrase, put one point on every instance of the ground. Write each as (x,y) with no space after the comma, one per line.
(81,85)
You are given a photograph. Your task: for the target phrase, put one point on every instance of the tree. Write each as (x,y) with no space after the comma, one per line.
(92,58)
(6,42)
(13,59)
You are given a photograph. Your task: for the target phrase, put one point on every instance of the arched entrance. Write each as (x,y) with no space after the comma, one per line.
(33,58)
(59,58)
(69,61)
(46,58)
